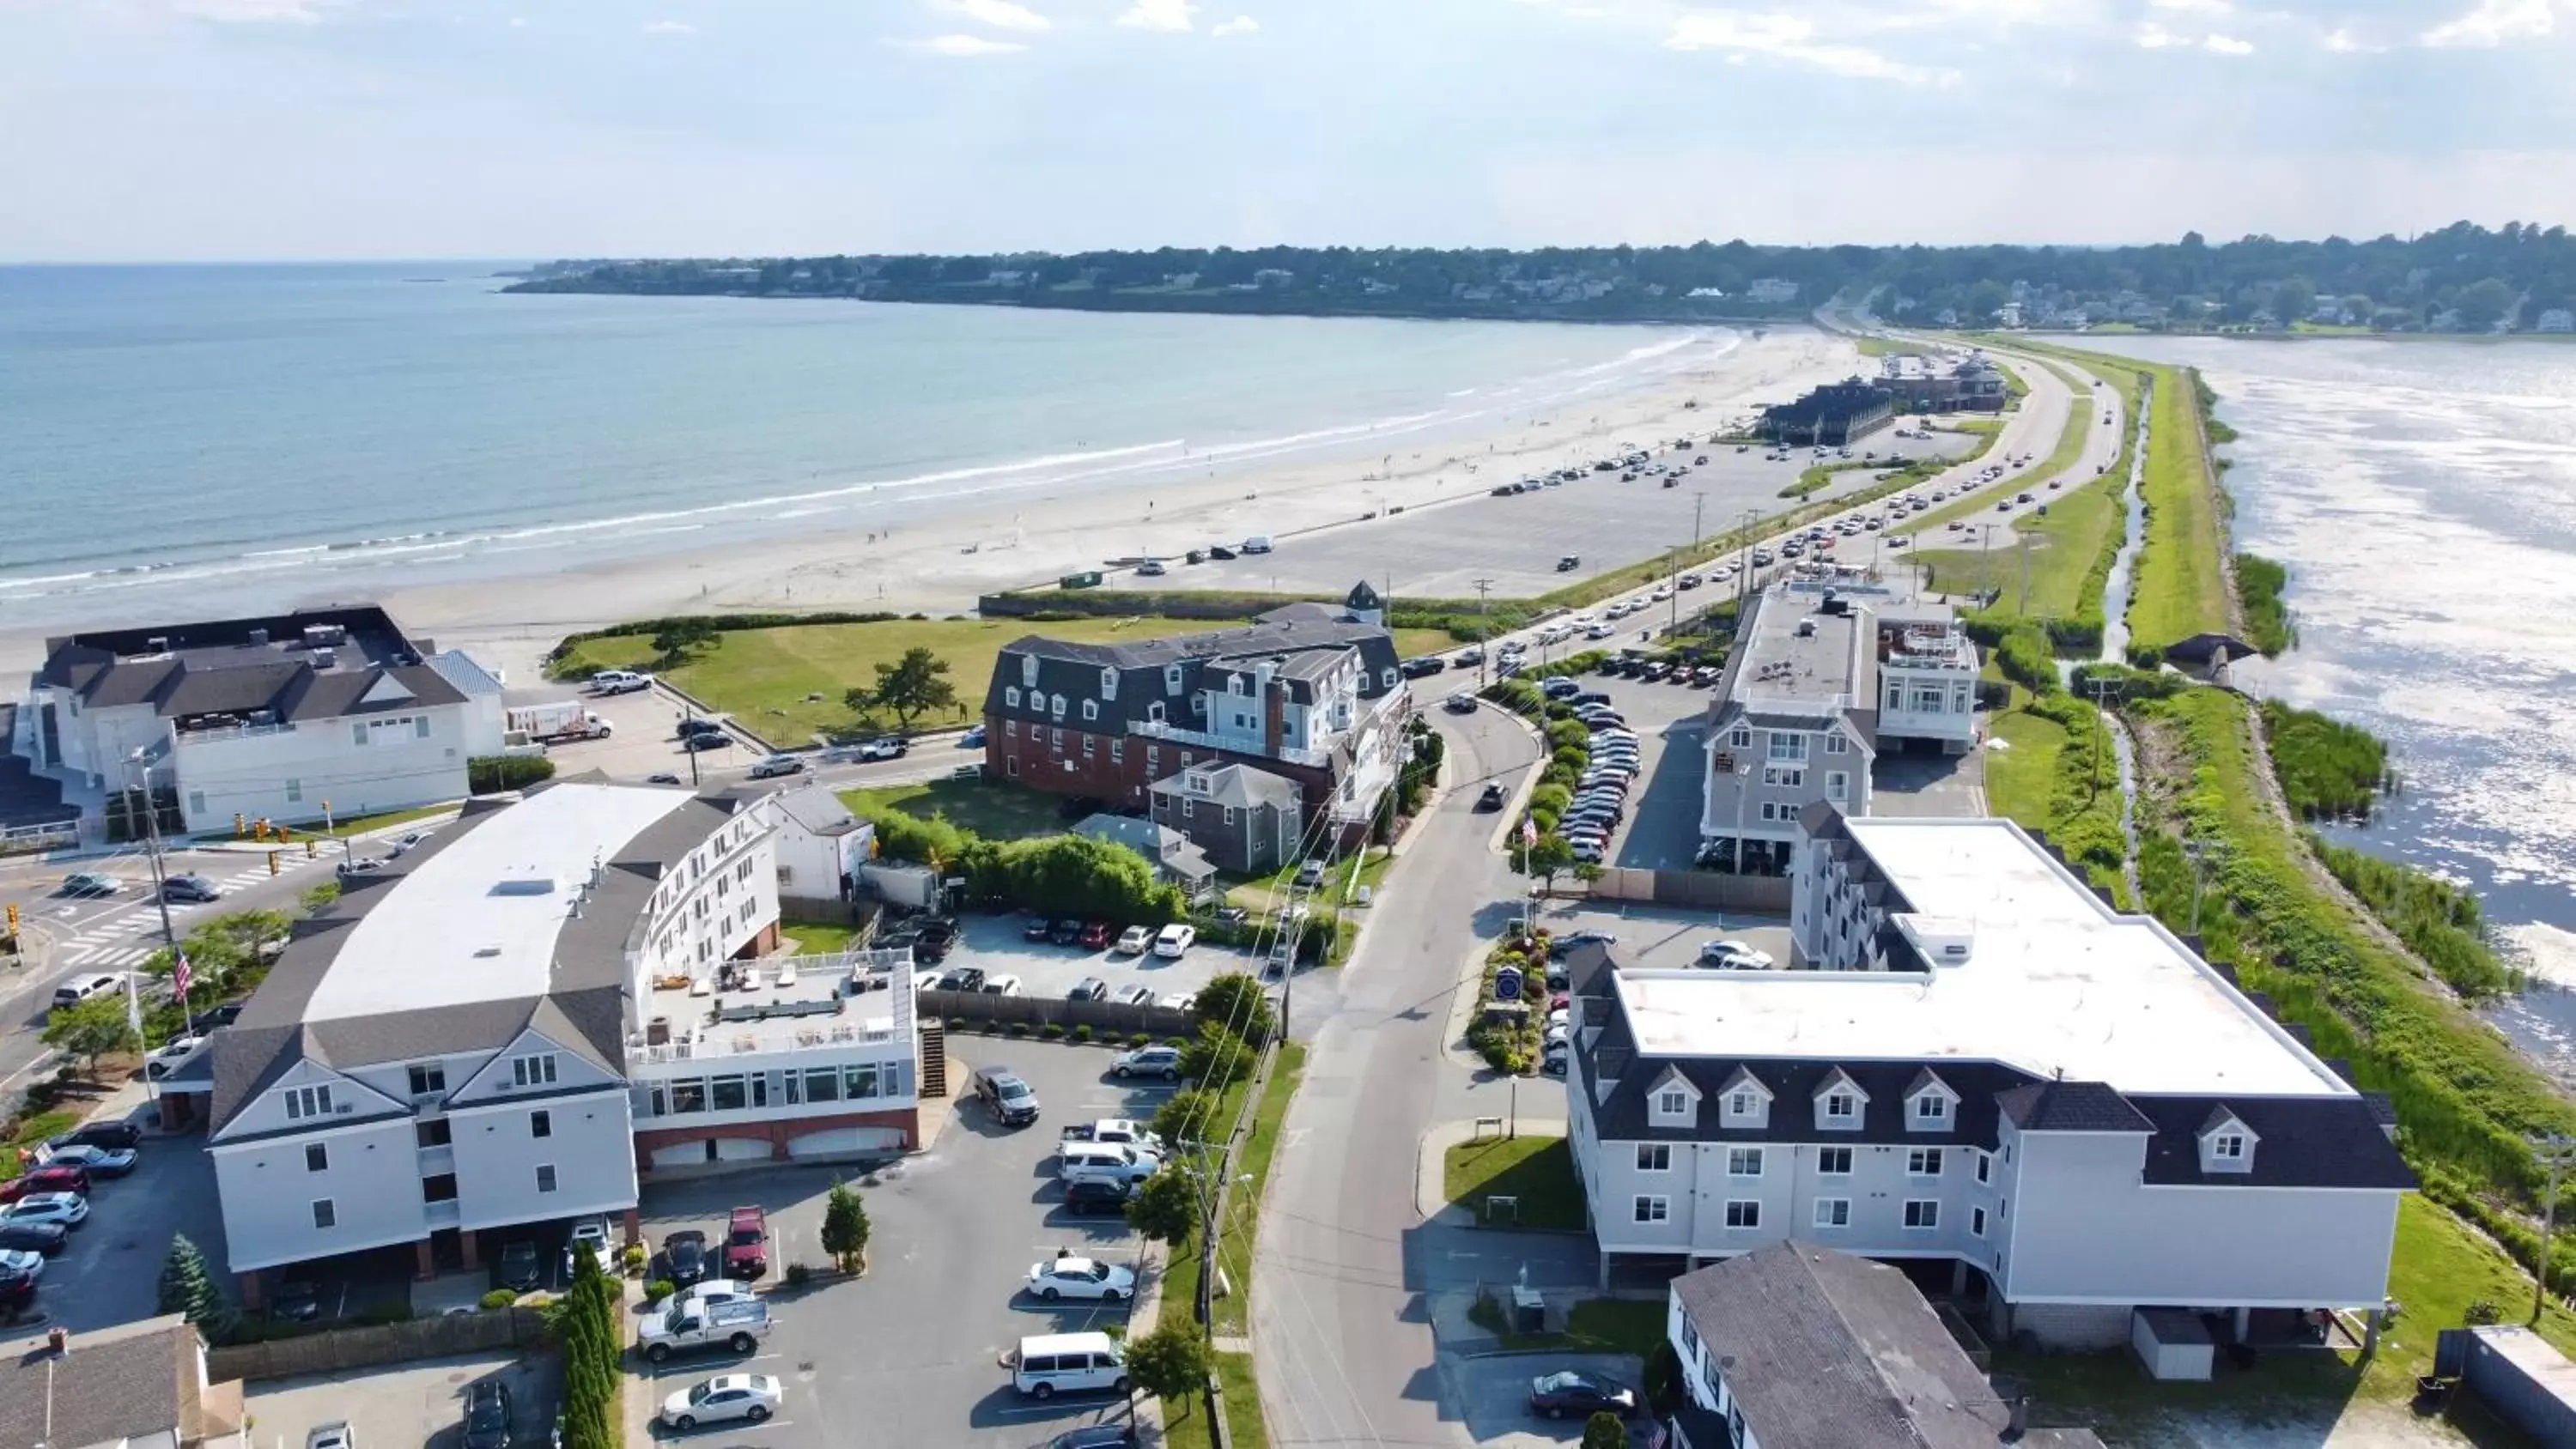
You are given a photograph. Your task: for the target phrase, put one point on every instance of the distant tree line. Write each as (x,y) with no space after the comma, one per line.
(2461,278)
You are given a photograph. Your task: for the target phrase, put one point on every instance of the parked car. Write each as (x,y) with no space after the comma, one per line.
(1175,939)
(1089,988)
(592,1233)
(726,1397)
(1000,984)
(962,978)
(1037,929)
(1137,996)
(189,889)
(1135,941)
(336,1435)
(51,1178)
(1115,1161)
(885,747)
(1095,1436)
(1491,798)
(1734,956)
(487,1415)
(619,681)
(96,1161)
(1556,1395)
(109,1134)
(715,740)
(684,1258)
(698,725)
(1066,932)
(518,1270)
(1081,1278)
(746,1254)
(1010,1099)
(24,1263)
(777,765)
(1152,1061)
(1310,874)
(661,777)
(1096,936)
(1094,1195)
(17,1292)
(1461,702)
(48,1209)
(45,1238)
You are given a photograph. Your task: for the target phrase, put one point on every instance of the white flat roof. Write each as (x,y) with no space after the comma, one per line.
(477,919)
(2056,981)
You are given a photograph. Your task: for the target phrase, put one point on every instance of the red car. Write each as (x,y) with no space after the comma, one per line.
(747,1244)
(1097,935)
(46,1179)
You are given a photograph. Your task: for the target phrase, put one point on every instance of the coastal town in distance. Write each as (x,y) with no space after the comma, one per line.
(1077,724)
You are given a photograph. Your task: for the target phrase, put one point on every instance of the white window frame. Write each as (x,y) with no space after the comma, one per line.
(2227,1147)
(310,1101)
(1651,1208)
(1922,1215)
(1825,1155)
(1672,1102)
(1850,1107)
(1108,684)
(1976,1222)
(1011,696)
(1741,739)
(1837,785)
(535,1069)
(1835,744)
(1923,1162)
(1091,709)
(1833,1212)
(326,1215)
(1654,1157)
(1985,1165)
(1741,1103)
(1785,747)
(1739,1158)
(1939,1105)
(1744,1214)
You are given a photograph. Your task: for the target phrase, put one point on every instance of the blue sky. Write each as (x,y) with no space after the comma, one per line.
(251,129)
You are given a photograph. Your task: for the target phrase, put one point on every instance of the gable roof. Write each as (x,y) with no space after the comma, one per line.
(1822,1350)
(2060,1106)
(814,807)
(2299,1142)
(134,1382)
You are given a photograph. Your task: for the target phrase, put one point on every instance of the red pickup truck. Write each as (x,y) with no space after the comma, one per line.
(746,1254)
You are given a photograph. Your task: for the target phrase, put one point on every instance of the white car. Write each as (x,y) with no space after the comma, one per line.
(1081,1278)
(336,1435)
(709,1292)
(749,1397)
(593,1231)
(1135,941)
(1175,939)
(62,1209)
(26,1264)
(1734,956)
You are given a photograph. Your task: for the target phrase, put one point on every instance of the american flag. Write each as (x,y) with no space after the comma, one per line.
(179,974)
(1529,832)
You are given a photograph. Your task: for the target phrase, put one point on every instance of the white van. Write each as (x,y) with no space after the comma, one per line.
(1072,1363)
(1258,543)
(1118,1162)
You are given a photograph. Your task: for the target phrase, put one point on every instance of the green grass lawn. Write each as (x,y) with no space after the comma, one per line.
(2062,549)
(786,684)
(1537,1170)
(1338,887)
(994,809)
(817,938)
(2021,778)
(31,1131)
(1602,1325)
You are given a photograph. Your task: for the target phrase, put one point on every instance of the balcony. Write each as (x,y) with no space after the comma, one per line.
(437,1161)
(445,1214)
(1164,732)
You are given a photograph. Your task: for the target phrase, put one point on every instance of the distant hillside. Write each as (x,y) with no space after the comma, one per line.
(2463,278)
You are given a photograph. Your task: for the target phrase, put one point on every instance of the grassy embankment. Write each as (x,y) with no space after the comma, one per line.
(2056,776)
(787,682)
(1233,1313)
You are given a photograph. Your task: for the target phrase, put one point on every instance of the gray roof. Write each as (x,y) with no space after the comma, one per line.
(239,667)
(1831,1351)
(2071,1107)
(1235,784)
(135,1381)
(583,1009)
(1301,644)
(814,807)
(1780,678)
(1167,848)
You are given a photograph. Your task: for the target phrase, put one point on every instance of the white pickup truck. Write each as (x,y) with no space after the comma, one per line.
(688,1325)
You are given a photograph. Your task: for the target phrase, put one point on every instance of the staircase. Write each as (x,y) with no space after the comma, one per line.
(934,1057)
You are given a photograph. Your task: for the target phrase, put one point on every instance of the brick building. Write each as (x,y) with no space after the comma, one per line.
(1308,691)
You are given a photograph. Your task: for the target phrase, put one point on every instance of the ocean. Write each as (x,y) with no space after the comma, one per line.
(265,432)
(2423,495)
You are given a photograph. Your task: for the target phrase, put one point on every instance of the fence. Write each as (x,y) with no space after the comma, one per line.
(337,1349)
(1694,889)
(1105,1018)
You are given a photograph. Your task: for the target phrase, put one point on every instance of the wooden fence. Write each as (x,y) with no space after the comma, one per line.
(1694,889)
(336,1349)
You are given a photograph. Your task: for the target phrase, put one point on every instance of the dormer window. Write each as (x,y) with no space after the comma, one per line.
(1745,1101)
(2226,1144)
(1930,1105)
(1055,707)
(1154,711)
(1109,684)
(1011,696)
(1171,679)
(1838,1104)
(1091,709)
(1742,739)
(1029,670)
(1234,684)
(1741,1104)
(1671,1104)
(1672,1100)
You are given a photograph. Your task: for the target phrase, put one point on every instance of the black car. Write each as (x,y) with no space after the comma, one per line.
(1067,932)
(1553,1396)
(684,1257)
(46,1238)
(189,888)
(696,726)
(963,978)
(1095,1195)
(663,777)
(101,1134)
(518,1271)
(1426,664)
(1011,1099)
(1492,799)
(298,1301)
(487,1415)
(716,741)
(1095,1436)
(17,1291)
(1220,552)
(1036,929)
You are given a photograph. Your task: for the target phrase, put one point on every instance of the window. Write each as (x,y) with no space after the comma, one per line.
(689,1094)
(303,1102)
(1837,785)
(1922,1213)
(1029,670)
(196,802)
(1770,811)
(1744,1162)
(1833,1161)
(1840,1106)
(420,728)
(1833,1212)
(1653,1209)
(295,792)
(2227,1147)
(726,1094)
(541,1124)
(1743,1213)
(1229,815)
(1386,678)
(1055,707)
(1089,742)
(317,1158)
(1654,1157)
(1895,695)
(1742,739)
(1741,1104)
(545,1177)
(1091,709)
(1931,1107)
(325,1215)
(858,1081)
(1985,1165)
(1923,1162)
(533,1071)
(429,1134)
(1835,744)
(1109,684)
(1977,1221)
(1117,752)
(1672,1104)
(441,1188)
(1786,778)
(1787,747)
(428,1079)
(1189,808)
(1010,729)
(1172,678)
(822,1084)
(358,733)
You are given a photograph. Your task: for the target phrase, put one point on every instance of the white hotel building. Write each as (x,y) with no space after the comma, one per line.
(549,999)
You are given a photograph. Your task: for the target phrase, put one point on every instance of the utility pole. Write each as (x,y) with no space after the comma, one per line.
(1672,583)
(161,899)
(2557,1153)
(2192,852)
(1699,500)
(689,739)
(2024,610)
(2102,686)
(1484,609)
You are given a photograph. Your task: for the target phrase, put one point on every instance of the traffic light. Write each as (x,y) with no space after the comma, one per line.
(272,862)
(13,920)
(312,847)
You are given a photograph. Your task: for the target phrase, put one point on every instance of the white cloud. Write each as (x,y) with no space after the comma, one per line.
(2152,36)
(999,14)
(2227,45)
(2495,22)
(2196,7)
(2342,41)
(518,22)
(1168,16)
(1792,38)
(960,45)
(1239,25)
(253,12)
(669,27)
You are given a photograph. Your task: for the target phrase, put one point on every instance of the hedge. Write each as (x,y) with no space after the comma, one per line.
(491,774)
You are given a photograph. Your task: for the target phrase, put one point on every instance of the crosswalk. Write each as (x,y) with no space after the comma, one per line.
(129,938)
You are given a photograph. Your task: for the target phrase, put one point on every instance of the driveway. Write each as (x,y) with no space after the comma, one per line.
(908,1354)
(1668,938)
(404,1404)
(994,945)
(1493,1390)
(1928,783)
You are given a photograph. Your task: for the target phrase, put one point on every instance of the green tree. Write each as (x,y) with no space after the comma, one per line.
(1217,1059)
(1604,1431)
(845,1227)
(188,1288)
(1188,1115)
(319,898)
(914,685)
(1551,857)
(1235,1002)
(586,1320)
(2483,304)
(92,1029)
(1171,1362)
(677,639)
(1165,1206)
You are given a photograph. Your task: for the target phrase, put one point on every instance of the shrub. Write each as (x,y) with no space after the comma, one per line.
(2259,582)
(1140,1039)
(499,1298)
(659,1289)
(491,774)
(1081,1033)
(2025,658)
(797,1275)
(1052,1031)
(1019,1028)
(2326,767)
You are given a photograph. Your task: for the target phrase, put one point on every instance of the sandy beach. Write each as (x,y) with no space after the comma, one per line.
(942,567)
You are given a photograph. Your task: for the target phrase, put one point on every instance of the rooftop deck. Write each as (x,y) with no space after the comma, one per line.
(785,1004)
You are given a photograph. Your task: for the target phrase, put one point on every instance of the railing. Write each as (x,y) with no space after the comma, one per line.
(230,732)
(443,1214)
(1159,731)
(718,1043)
(437,1162)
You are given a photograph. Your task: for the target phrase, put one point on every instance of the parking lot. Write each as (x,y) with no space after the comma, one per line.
(994,945)
(1666,938)
(909,1354)
(404,1404)
(1493,1391)
(1661,828)
(110,1267)
(1928,783)
(646,739)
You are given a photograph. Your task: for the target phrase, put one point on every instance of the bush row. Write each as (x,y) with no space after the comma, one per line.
(2437,920)
(1058,874)
(2259,586)
(2326,767)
